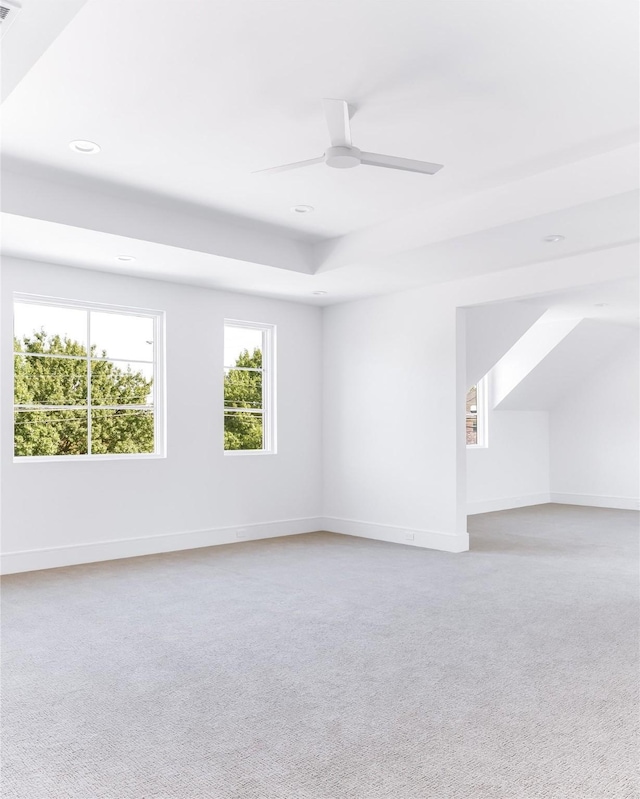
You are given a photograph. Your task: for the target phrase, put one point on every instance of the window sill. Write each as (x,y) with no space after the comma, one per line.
(138,456)
(233,453)
(477,446)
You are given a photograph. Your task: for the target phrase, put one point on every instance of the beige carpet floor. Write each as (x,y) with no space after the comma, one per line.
(328,667)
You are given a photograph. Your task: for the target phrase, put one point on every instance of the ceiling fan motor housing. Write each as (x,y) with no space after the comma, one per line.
(342,157)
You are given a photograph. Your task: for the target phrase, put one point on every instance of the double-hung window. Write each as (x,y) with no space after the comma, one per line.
(476,414)
(249,387)
(88,380)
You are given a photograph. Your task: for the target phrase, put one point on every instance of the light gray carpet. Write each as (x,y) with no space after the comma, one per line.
(327,667)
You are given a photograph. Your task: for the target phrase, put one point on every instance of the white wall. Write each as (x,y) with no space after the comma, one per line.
(393,428)
(395,460)
(184,499)
(393,455)
(514,469)
(595,436)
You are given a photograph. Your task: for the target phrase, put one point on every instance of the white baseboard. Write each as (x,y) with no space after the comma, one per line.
(507,503)
(448,542)
(54,557)
(595,501)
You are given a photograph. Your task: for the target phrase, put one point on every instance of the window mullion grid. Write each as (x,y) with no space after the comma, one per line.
(51,355)
(261,410)
(482,411)
(87,409)
(79,357)
(265,377)
(266,412)
(263,372)
(154,373)
(130,407)
(89,382)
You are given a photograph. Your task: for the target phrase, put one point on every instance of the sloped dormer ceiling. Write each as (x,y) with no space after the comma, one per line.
(576,357)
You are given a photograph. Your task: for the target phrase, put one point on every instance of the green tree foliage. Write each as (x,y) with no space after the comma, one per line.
(63,381)
(243,390)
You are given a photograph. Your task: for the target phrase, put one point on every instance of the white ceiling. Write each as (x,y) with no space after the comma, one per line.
(533,110)
(614,301)
(575,359)
(603,319)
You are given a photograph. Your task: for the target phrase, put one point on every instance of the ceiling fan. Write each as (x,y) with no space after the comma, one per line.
(343,155)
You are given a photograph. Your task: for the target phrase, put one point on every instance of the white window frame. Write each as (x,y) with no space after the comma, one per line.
(268,410)
(159,388)
(481,415)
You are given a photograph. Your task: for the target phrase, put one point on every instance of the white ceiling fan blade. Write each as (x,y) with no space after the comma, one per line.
(287,167)
(337,115)
(407,164)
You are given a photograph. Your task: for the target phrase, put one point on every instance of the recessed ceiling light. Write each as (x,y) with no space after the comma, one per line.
(320,293)
(85,147)
(553,239)
(302,209)
(126,258)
